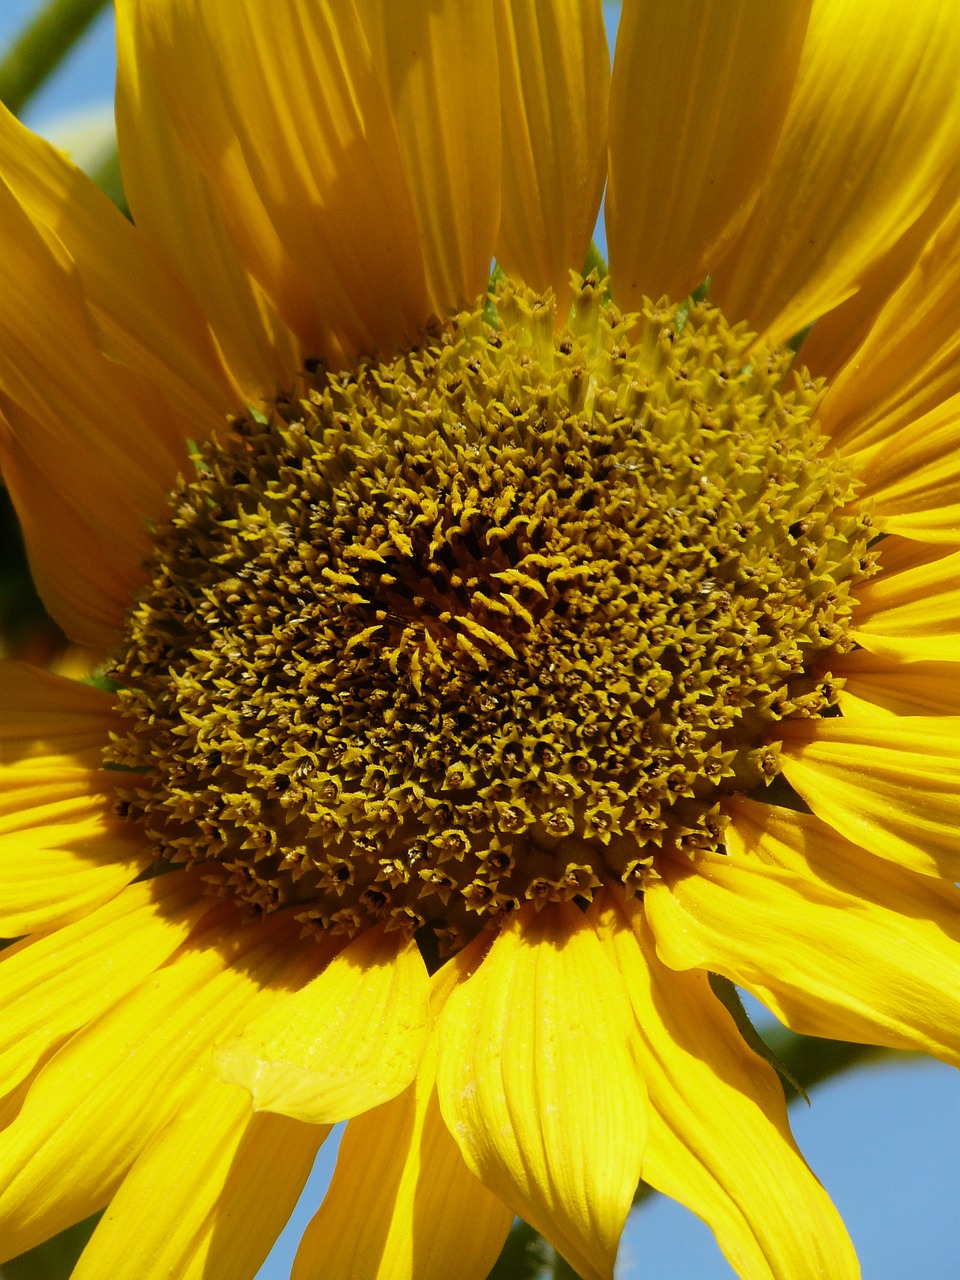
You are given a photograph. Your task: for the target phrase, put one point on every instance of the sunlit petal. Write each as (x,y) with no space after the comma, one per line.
(835,941)
(699,96)
(867,148)
(554,84)
(710,1098)
(371,1003)
(539,1084)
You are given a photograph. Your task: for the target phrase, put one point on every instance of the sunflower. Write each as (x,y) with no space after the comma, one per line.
(486,670)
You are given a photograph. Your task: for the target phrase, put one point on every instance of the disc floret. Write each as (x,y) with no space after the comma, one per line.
(497,619)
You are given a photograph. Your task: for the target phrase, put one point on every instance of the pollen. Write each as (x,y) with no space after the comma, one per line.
(497,620)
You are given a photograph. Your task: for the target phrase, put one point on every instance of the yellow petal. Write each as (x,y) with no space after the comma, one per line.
(346,1042)
(209,1195)
(402,1201)
(86,592)
(87,436)
(897,554)
(712,1099)
(912,476)
(833,343)
(554,84)
(44,715)
(836,942)
(50,987)
(909,362)
(912,613)
(31,784)
(42,314)
(59,861)
(868,147)
(116,1083)
(50,726)
(62,851)
(144,317)
(439,63)
(539,1083)
(698,100)
(879,687)
(889,787)
(319,145)
(284,196)
(11,1105)
(174,194)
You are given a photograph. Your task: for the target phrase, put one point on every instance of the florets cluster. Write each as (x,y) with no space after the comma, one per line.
(495,620)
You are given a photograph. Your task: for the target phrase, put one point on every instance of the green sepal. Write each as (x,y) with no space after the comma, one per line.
(595,262)
(200,465)
(491,315)
(796,342)
(729,997)
(108,179)
(682,313)
(702,291)
(102,682)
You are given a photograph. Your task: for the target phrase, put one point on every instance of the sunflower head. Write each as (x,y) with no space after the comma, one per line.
(495,620)
(449,636)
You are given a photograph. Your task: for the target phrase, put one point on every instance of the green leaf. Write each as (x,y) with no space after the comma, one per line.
(40,47)
(525,1255)
(562,1269)
(55,1259)
(23,619)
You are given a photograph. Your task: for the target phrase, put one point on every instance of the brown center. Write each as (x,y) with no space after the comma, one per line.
(498,619)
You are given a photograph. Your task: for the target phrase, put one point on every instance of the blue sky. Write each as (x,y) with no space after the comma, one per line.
(885,1142)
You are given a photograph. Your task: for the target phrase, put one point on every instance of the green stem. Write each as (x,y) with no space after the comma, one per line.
(41,45)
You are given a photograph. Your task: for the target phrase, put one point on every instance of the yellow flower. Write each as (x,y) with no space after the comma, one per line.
(499,667)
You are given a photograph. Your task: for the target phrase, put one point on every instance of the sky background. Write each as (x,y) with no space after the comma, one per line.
(885,1141)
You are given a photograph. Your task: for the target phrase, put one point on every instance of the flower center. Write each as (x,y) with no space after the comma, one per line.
(496,620)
